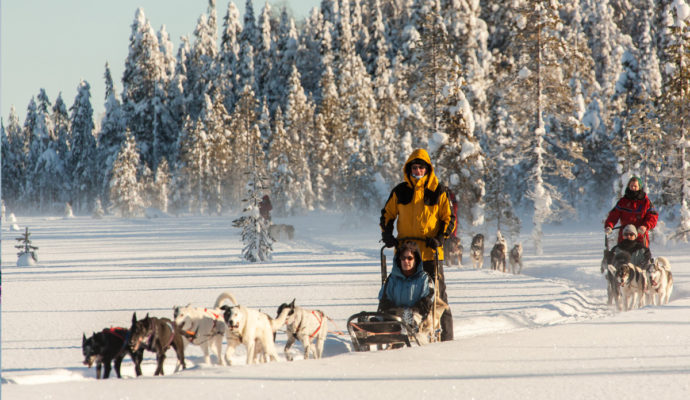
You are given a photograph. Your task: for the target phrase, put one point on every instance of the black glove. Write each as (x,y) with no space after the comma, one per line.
(388,239)
(433,243)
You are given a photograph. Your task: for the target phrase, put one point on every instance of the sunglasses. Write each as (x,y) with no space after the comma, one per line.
(629,234)
(408,258)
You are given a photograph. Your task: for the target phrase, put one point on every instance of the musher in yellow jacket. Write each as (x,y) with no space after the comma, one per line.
(422,209)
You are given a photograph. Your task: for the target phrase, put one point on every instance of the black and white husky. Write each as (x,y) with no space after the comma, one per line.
(307,326)
(633,283)
(499,253)
(477,251)
(612,288)
(660,281)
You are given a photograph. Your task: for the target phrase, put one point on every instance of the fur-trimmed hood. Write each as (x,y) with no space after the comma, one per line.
(430,181)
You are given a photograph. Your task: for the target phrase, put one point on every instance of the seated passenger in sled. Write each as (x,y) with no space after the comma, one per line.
(639,253)
(408,291)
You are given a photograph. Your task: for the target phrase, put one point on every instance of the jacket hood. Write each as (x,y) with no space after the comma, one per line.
(431,181)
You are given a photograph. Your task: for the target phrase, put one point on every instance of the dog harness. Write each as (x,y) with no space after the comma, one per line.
(215,329)
(319,316)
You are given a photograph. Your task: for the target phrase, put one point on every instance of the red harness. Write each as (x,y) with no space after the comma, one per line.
(318,316)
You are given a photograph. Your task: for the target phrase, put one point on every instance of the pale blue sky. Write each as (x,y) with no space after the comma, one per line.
(54,44)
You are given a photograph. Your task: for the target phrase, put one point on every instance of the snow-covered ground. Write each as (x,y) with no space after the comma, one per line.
(542,335)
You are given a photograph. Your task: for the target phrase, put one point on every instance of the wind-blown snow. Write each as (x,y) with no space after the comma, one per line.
(544,334)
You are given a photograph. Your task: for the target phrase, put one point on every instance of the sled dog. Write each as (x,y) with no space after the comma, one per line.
(452,248)
(157,335)
(282,231)
(515,259)
(108,345)
(306,326)
(203,327)
(498,254)
(660,281)
(612,287)
(247,326)
(477,251)
(633,284)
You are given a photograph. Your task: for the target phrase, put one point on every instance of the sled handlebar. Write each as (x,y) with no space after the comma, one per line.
(606,237)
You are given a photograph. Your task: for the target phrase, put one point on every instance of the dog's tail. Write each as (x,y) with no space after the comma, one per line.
(663,263)
(225,296)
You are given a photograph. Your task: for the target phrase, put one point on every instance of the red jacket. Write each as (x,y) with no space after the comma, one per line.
(639,212)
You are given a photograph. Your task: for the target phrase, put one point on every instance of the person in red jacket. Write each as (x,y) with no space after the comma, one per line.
(633,208)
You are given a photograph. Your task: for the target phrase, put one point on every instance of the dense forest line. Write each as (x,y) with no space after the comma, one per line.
(527,107)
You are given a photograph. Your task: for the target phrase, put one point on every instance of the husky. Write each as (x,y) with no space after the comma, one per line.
(515,259)
(247,326)
(282,231)
(432,323)
(157,335)
(477,251)
(612,288)
(203,327)
(633,284)
(452,248)
(108,345)
(660,281)
(498,254)
(306,326)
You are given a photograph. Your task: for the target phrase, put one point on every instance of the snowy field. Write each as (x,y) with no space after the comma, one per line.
(544,334)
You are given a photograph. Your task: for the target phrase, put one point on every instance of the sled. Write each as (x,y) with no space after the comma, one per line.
(386,331)
(380,329)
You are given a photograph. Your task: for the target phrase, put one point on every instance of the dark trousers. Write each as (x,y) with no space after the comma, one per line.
(447,317)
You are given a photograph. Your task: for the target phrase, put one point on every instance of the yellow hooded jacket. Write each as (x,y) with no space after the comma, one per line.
(421,207)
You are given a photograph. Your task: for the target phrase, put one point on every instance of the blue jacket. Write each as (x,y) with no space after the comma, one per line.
(401,291)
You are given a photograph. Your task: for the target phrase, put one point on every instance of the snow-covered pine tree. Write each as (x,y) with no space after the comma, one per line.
(255,229)
(432,69)
(162,186)
(42,157)
(13,160)
(228,56)
(82,168)
(299,126)
(285,56)
(264,51)
(334,121)
(26,249)
(361,135)
(242,121)
(460,162)
(61,122)
(541,101)
(674,110)
(216,123)
(144,71)
(279,169)
(111,135)
(193,168)
(125,189)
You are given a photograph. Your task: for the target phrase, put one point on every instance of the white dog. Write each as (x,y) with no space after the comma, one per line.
(248,327)
(633,284)
(306,326)
(203,327)
(660,281)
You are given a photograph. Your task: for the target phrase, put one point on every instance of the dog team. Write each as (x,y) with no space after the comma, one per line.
(206,328)
(499,254)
